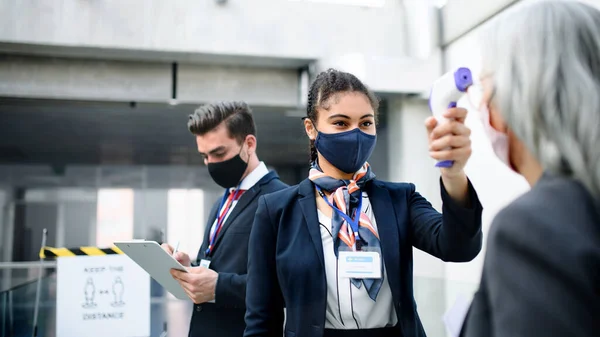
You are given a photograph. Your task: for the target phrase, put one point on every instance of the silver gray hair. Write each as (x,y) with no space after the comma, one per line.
(544,61)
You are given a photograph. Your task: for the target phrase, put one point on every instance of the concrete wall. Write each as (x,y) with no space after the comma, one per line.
(594,3)
(44,77)
(274,33)
(294,29)
(461,17)
(256,86)
(109,80)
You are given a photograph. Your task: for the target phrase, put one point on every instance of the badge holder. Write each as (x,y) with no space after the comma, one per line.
(205,263)
(361,264)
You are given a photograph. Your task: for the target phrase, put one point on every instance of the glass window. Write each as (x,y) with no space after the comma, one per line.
(114,216)
(186,220)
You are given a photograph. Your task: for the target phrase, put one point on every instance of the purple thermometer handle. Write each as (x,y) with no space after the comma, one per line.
(463,79)
(447,163)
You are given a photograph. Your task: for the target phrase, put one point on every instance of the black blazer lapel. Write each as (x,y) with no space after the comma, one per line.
(209,223)
(308,203)
(387,226)
(242,203)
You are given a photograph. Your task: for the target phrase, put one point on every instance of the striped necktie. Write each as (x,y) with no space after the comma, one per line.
(222,213)
(233,196)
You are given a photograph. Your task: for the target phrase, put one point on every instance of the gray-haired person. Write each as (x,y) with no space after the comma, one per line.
(541,108)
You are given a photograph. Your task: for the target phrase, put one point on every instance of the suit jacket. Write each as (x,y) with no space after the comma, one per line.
(286,266)
(225,317)
(541,275)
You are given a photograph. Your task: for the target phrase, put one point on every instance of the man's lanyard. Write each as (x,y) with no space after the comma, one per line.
(221,214)
(353,223)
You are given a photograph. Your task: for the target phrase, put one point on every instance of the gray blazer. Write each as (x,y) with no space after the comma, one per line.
(541,275)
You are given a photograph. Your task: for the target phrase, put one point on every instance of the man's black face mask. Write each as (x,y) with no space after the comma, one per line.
(228,173)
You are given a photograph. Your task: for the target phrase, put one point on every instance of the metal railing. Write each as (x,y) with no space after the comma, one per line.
(27,265)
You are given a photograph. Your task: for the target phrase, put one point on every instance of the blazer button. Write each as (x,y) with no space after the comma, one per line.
(198,308)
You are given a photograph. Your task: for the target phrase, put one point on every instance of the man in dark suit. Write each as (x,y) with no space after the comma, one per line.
(216,282)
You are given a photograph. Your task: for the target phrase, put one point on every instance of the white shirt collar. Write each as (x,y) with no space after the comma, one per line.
(255,176)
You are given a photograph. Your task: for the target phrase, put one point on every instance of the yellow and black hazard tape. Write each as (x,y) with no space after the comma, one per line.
(49,252)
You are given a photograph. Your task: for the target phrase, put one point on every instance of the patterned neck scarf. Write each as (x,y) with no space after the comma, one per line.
(345,196)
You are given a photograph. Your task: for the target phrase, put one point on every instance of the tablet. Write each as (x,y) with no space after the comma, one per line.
(156,262)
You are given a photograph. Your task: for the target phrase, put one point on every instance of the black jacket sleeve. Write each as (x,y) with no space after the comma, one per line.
(455,235)
(231,290)
(264,301)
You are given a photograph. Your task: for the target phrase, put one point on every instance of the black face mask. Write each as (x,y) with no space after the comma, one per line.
(228,173)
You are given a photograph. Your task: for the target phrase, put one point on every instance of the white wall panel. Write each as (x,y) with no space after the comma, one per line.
(460,16)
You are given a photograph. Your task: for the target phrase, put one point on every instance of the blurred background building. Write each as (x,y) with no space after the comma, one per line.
(95,94)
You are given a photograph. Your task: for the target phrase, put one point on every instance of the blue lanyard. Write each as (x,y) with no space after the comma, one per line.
(222,219)
(353,223)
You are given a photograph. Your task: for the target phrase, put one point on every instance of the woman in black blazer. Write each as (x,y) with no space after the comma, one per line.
(541,109)
(336,250)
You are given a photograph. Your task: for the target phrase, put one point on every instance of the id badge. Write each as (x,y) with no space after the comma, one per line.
(360,264)
(205,263)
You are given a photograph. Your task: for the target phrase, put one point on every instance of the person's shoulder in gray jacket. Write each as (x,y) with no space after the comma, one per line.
(541,79)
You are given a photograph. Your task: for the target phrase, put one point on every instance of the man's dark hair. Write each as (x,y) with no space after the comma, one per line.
(328,84)
(236,115)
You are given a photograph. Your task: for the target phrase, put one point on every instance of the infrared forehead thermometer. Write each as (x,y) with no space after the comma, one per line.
(445,92)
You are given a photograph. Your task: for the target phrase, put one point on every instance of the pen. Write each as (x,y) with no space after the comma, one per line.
(176,248)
